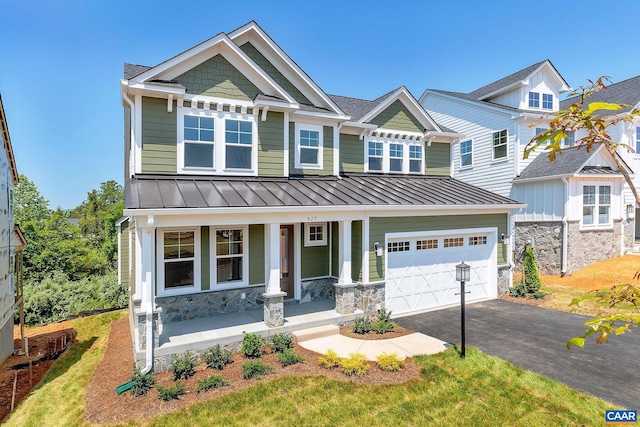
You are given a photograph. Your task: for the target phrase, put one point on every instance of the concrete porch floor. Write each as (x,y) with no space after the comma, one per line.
(202,333)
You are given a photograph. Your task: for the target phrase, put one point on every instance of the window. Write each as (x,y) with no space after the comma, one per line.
(375,156)
(500,144)
(547,101)
(230,252)
(178,259)
(534,99)
(427,244)
(453,242)
(415,158)
(308,146)
(238,140)
(570,140)
(638,140)
(398,246)
(596,205)
(198,141)
(315,234)
(539,131)
(395,157)
(477,240)
(466,153)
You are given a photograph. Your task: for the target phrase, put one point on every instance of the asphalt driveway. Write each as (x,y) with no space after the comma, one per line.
(535,338)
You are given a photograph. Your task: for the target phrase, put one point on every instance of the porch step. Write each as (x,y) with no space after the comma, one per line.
(317,332)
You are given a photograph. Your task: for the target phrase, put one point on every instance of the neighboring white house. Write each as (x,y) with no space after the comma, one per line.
(498,121)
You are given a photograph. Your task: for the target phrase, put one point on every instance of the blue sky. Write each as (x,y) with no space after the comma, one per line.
(61,62)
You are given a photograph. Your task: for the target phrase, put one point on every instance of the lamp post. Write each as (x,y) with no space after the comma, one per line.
(462,276)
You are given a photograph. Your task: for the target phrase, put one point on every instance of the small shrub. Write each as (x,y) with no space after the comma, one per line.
(383,315)
(361,325)
(183,366)
(530,285)
(329,360)
(213,382)
(143,382)
(255,370)
(355,365)
(281,342)
(170,393)
(390,362)
(252,345)
(289,357)
(383,326)
(217,357)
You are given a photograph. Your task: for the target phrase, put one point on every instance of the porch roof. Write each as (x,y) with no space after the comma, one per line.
(154,192)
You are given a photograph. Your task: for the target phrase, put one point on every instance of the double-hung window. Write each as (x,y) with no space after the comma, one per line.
(415,159)
(500,144)
(534,99)
(198,142)
(230,253)
(239,144)
(466,153)
(637,140)
(178,261)
(547,101)
(395,157)
(596,205)
(375,155)
(570,140)
(308,146)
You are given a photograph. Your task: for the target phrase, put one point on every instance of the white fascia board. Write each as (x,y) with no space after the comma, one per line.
(410,102)
(121,220)
(451,136)
(277,105)
(541,178)
(153,89)
(594,177)
(497,109)
(292,71)
(307,115)
(505,89)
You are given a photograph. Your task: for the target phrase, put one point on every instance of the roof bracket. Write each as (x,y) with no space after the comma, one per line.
(170,103)
(264,113)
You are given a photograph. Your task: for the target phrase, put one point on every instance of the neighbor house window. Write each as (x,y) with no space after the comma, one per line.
(415,158)
(375,156)
(308,146)
(570,140)
(315,234)
(198,142)
(230,254)
(547,101)
(178,261)
(238,140)
(638,140)
(539,131)
(500,144)
(395,157)
(596,205)
(534,99)
(466,153)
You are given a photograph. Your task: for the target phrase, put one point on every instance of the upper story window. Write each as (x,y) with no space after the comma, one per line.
(394,156)
(637,140)
(466,153)
(216,141)
(570,140)
(596,205)
(534,99)
(500,144)
(547,101)
(308,146)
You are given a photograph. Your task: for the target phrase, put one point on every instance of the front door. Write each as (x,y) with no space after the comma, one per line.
(286,260)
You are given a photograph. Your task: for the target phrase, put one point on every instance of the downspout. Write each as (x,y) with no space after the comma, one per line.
(565,229)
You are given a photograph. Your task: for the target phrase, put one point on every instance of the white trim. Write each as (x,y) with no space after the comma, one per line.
(285,160)
(297,261)
(213,257)
(493,147)
(469,166)
(307,234)
(137,131)
(336,151)
(313,128)
(596,205)
(507,111)
(386,154)
(365,249)
(162,291)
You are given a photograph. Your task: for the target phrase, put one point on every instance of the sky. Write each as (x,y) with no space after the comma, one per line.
(61,61)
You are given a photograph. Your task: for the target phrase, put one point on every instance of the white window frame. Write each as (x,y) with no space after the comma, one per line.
(197,276)
(596,206)
(314,128)
(542,101)
(537,101)
(307,234)
(493,146)
(401,147)
(637,137)
(219,155)
(386,155)
(570,140)
(470,153)
(214,258)
(422,160)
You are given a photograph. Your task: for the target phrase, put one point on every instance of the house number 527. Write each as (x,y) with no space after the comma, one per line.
(312,218)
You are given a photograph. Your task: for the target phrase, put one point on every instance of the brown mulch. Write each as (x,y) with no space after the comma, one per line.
(102,405)
(539,302)
(398,331)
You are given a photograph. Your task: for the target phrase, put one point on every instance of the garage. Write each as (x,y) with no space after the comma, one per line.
(421,268)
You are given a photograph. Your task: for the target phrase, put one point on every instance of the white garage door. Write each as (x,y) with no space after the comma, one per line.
(421,268)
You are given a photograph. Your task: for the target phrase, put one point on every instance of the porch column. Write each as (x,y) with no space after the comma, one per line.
(273,296)
(345,288)
(145,279)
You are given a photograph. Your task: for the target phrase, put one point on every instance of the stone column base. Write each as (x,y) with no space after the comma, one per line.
(345,297)
(274,309)
(370,297)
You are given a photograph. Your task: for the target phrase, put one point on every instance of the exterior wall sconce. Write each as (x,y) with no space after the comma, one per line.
(505,239)
(377,248)
(631,211)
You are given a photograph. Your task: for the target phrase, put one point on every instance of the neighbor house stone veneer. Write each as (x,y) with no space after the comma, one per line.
(547,244)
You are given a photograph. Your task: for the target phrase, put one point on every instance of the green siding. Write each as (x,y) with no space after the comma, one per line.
(327,153)
(438,159)
(356,251)
(217,77)
(158,137)
(335,249)
(314,259)
(397,116)
(205,259)
(379,226)
(256,254)
(351,154)
(123,261)
(270,145)
(276,75)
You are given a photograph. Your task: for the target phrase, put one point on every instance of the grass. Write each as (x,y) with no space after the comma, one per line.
(559,297)
(58,399)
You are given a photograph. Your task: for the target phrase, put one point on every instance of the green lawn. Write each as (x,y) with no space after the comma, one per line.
(480,390)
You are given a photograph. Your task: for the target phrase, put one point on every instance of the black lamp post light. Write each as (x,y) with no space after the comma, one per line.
(463,274)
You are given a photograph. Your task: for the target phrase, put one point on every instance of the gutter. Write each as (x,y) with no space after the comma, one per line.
(565,229)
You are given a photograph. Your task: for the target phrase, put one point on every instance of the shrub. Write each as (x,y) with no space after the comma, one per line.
(143,382)
(217,357)
(289,357)
(183,366)
(355,365)
(383,326)
(213,382)
(255,370)
(390,362)
(170,393)
(530,285)
(384,315)
(281,342)
(329,360)
(361,325)
(252,345)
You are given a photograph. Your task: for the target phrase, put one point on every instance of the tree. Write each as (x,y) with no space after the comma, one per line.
(594,120)
(28,203)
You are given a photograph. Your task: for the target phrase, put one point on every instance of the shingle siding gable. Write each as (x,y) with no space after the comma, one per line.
(398,117)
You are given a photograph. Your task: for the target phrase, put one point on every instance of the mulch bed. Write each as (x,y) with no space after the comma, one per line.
(539,302)
(102,405)
(398,331)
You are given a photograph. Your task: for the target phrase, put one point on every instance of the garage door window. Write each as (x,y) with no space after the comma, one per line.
(427,244)
(453,242)
(398,246)
(477,240)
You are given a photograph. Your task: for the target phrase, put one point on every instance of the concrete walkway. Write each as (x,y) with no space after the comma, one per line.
(323,338)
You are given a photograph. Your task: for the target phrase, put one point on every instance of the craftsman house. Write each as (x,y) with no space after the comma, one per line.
(256,202)
(498,121)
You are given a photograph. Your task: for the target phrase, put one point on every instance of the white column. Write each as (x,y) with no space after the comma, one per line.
(344,252)
(147,256)
(272,258)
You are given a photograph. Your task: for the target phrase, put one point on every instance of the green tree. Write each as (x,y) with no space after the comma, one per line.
(28,203)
